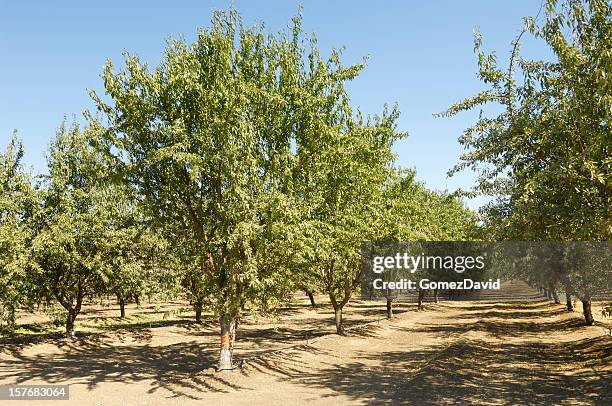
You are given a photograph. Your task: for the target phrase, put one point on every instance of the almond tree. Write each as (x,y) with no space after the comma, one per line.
(136,256)
(67,249)
(207,137)
(415,213)
(547,155)
(341,172)
(17,206)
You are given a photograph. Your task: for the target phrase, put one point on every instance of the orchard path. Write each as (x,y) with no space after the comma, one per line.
(531,352)
(458,353)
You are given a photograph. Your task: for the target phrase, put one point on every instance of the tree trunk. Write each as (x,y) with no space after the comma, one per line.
(137,300)
(555,295)
(436,295)
(228,335)
(70,323)
(8,311)
(339,321)
(338,306)
(567,287)
(311,298)
(389,308)
(588,314)
(421,297)
(198,311)
(122,307)
(422,294)
(73,311)
(389,304)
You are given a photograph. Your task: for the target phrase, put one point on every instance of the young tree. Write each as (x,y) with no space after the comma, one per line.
(126,244)
(342,170)
(17,205)
(70,228)
(414,213)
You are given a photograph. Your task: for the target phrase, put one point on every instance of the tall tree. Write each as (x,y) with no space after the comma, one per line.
(208,137)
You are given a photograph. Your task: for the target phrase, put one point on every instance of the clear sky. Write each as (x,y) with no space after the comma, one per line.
(421,56)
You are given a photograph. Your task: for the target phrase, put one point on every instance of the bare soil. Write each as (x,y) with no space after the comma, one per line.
(452,353)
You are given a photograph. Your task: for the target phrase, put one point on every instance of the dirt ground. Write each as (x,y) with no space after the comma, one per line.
(453,353)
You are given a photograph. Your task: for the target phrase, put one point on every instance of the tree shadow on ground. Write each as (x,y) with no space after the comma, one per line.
(469,371)
(139,331)
(510,306)
(502,328)
(124,353)
(177,367)
(474,372)
(513,315)
(184,369)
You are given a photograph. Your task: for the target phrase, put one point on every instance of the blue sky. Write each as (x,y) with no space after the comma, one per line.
(421,56)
